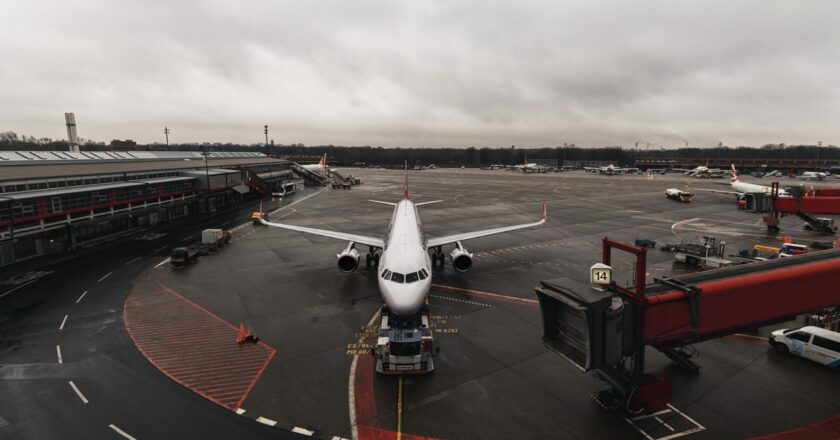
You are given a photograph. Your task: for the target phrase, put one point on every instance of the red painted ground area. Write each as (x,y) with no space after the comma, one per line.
(192,346)
(828,429)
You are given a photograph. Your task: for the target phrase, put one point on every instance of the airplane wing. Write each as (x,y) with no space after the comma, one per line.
(360,239)
(440,241)
(719,191)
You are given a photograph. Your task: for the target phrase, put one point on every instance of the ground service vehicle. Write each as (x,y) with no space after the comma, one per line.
(814,343)
(214,237)
(679,195)
(405,344)
(182,256)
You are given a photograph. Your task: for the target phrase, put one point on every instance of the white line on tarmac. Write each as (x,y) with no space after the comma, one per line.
(266,421)
(240,411)
(78,393)
(161,248)
(133,261)
(82,296)
(103,278)
(162,263)
(58,352)
(121,432)
(187,238)
(351,387)
(18,287)
(63,321)
(303,431)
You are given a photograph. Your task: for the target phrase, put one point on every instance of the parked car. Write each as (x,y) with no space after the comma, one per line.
(814,343)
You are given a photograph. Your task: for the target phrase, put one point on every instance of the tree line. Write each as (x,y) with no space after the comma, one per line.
(472,156)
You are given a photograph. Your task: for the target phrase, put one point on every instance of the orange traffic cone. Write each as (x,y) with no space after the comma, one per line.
(787,239)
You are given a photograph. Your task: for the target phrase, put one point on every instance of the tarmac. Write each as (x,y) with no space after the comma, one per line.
(493,378)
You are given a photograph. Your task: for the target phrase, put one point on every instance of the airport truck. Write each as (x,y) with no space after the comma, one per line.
(182,256)
(679,195)
(405,344)
(214,238)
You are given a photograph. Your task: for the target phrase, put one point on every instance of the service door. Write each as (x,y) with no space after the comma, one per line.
(799,343)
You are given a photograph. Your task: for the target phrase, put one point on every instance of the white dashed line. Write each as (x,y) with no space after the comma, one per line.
(161,248)
(82,296)
(266,421)
(186,238)
(303,431)
(18,287)
(63,321)
(78,393)
(58,353)
(103,278)
(461,300)
(240,411)
(335,437)
(121,432)
(162,263)
(133,261)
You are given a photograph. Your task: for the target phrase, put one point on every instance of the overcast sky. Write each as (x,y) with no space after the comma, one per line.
(422,73)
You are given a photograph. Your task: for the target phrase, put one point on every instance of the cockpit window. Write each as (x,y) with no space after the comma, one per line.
(386,274)
(412,277)
(397,277)
(421,275)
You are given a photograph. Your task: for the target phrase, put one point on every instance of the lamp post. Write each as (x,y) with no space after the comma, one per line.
(266,140)
(166,132)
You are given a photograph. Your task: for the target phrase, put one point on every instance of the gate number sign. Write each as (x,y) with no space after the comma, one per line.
(601,274)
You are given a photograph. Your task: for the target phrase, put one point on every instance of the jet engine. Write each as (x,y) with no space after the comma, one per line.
(461,259)
(348,259)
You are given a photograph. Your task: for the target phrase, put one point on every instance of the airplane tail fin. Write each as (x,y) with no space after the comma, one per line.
(323,161)
(734,173)
(405,184)
(545,212)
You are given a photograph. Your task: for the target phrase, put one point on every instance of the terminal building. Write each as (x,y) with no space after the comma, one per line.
(57,201)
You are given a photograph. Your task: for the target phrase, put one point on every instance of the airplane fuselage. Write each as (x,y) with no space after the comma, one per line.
(744,187)
(404,273)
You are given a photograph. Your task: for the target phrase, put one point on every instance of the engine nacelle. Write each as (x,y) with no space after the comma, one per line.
(348,260)
(461,259)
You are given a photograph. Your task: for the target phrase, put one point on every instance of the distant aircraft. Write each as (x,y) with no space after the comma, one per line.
(529,167)
(741,188)
(404,268)
(609,170)
(320,167)
(813,175)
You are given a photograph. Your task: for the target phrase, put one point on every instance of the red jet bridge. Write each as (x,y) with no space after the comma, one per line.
(804,203)
(607,330)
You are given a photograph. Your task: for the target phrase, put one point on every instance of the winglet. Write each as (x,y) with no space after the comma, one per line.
(545,213)
(733,172)
(405,185)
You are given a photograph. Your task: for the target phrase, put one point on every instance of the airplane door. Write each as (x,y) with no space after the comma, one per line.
(798,343)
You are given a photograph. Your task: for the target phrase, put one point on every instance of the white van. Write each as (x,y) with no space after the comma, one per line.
(815,343)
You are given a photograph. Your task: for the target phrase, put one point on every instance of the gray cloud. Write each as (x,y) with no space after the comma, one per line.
(425,73)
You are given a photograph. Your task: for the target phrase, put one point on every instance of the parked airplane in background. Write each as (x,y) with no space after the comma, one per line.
(740,188)
(813,175)
(404,266)
(529,167)
(705,171)
(320,167)
(609,170)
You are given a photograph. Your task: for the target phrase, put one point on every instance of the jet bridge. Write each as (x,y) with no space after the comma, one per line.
(804,203)
(607,330)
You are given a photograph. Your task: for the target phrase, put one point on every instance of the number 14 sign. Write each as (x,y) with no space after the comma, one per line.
(601,274)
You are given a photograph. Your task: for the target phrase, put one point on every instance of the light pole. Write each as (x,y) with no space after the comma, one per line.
(266,140)
(819,147)
(166,132)
(206,153)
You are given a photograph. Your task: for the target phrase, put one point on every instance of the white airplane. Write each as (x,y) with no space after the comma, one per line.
(741,188)
(529,167)
(320,167)
(813,175)
(404,266)
(608,170)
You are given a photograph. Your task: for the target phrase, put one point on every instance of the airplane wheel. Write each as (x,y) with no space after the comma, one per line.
(434,260)
(368,261)
(441,260)
(376,260)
